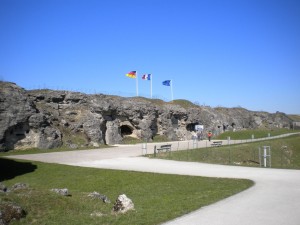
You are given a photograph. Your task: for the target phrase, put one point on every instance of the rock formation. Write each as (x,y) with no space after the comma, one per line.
(47,119)
(10,211)
(123,204)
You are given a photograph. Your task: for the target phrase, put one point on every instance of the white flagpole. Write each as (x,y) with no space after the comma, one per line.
(172,89)
(151,76)
(137,84)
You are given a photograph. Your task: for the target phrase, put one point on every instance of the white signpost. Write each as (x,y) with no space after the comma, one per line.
(144,148)
(265,156)
(199,127)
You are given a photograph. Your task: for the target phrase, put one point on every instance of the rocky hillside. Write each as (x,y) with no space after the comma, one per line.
(48,119)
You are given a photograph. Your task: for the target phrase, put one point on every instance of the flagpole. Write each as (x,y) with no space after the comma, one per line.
(151,77)
(172,89)
(137,84)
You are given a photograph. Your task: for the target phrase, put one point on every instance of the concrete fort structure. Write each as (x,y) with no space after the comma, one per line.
(48,119)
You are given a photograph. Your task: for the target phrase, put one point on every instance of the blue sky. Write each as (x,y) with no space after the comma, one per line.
(217,52)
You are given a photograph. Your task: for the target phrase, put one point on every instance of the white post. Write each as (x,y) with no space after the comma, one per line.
(144,149)
(151,77)
(172,89)
(137,84)
(265,156)
(228,140)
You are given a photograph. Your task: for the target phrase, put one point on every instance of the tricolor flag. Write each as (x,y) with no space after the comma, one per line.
(146,77)
(167,82)
(131,74)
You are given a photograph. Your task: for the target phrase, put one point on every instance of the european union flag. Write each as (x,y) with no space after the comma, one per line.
(167,82)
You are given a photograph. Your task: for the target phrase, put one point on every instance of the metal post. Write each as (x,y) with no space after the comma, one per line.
(259,156)
(195,143)
(144,148)
(228,140)
(265,156)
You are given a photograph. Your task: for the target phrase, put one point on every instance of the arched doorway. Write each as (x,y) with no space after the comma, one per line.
(126,130)
(191,126)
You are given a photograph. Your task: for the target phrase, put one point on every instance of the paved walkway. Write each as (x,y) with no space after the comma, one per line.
(273,200)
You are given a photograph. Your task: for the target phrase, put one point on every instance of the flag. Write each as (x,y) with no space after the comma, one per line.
(167,82)
(146,77)
(131,74)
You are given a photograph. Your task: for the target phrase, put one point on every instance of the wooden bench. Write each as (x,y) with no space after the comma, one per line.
(163,148)
(216,143)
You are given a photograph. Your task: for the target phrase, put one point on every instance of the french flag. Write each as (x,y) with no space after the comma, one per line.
(146,77)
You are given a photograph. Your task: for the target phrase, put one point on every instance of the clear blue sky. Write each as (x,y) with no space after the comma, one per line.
(217,52)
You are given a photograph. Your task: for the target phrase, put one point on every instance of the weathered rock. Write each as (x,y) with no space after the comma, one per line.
(123,204)
(92,129)
(38,121)
(113,133)
(10,211)
(3,188)
(63,191)
(49,138)
(97,195)
(15,109)
(18,186)
(48,119)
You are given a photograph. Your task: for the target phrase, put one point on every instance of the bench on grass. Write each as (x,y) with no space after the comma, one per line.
(216,143)
(166,148)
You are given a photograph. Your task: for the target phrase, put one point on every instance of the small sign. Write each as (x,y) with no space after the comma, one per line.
(199,127)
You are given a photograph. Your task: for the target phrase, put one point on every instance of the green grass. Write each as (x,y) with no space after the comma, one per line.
(246,154)
(157,197)
(37,150)
(132,140)
(184,103)
(294,117)
(247,134)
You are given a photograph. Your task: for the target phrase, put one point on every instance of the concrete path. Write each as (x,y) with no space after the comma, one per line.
(273,200)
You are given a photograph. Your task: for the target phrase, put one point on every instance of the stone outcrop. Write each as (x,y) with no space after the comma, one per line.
(61,191)
(123,204)
(10,211)
(97,195)
(21,123)
(47,119)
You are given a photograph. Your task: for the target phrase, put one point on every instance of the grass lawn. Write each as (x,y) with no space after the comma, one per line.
(38,151)
(246,154)
(258,133)
(157,197)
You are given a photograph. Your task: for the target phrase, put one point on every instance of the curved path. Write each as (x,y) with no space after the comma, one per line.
(273,200)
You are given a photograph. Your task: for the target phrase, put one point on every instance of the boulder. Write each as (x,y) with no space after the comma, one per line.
(97,195)
(10,211)
(123,204)
(3,188)
(63,191)
(18,186)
